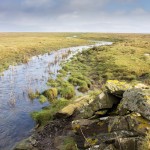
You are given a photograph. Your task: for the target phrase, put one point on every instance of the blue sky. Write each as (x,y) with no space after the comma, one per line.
(75,16)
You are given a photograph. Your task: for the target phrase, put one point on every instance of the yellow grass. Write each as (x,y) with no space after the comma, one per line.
(19,47)
(129,49)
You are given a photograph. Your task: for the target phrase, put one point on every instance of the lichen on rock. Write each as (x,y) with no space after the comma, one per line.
(116,87)
(136,100)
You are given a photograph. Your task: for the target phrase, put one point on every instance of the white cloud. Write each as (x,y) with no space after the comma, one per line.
(37,3)
(139,11)
(87,4)
(126,1)
(75,15)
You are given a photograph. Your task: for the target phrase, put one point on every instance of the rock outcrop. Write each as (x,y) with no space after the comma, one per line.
(86,107)
(117,119)
(120,131)
(72,108)
(116,87)
(136,100)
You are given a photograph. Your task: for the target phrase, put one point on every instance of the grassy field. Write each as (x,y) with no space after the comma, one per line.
(130,50)
(127,59)
(20,47)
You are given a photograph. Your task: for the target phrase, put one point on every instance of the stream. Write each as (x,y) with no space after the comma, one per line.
(15,84)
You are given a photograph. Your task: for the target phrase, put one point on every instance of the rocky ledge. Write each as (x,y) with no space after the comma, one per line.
(117,119)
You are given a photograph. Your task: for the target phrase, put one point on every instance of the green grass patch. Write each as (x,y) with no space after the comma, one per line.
(52,83)
(42,99)
(42,117)
(51,94)
(67,90)
(33,95)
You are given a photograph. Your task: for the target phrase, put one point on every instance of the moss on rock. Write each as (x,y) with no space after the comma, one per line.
(117,87)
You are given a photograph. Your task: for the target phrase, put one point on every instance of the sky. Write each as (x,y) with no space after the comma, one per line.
(132,16)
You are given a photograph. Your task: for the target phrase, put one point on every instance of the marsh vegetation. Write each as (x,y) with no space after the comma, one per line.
(127,59)
(90,69)
(20,47)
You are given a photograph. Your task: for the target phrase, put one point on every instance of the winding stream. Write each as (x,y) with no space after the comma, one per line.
(15,84)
